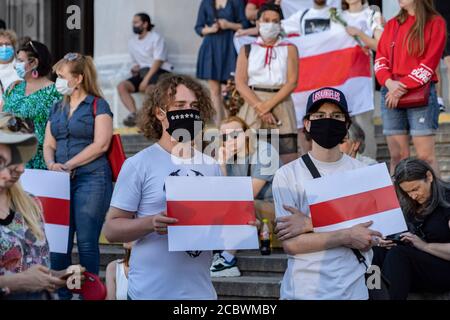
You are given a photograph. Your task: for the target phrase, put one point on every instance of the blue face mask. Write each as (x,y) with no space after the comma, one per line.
(20,69)
(6,53)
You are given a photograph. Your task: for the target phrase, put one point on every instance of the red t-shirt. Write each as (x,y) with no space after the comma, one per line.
(257,3)
(414,71)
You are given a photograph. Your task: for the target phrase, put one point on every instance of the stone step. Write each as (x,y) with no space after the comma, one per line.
(248,287)
(250,263)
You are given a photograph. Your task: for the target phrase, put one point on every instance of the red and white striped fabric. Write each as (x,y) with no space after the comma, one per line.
(53,190)
(352,197)
(213,213)
(333,59)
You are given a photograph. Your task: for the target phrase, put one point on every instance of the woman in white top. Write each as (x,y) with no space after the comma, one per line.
(117,276)
(266,75)
(8,74)
(363,22)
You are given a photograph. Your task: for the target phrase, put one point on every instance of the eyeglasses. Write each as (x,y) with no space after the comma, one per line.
(72,56)
(322,115)
(16,125)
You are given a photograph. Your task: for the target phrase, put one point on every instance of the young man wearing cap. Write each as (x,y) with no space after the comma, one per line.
(320,265)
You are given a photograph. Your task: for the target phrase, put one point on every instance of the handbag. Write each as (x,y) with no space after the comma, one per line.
(92,288)
(115,154)
(414,98)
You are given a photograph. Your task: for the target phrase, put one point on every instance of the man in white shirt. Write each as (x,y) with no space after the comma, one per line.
(320,265)
(309,21)
(149,54)
(138,206)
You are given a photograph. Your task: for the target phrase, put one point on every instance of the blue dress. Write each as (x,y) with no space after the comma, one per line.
(217,56)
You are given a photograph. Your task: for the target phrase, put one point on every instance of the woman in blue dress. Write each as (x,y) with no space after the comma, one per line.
(217,22)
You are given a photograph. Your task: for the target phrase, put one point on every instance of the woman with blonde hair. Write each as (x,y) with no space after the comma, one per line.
(8,75)
(77,137)
(24,252)
(241,154)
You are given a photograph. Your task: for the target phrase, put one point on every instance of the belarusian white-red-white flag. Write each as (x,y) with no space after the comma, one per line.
(213,213)
(333,59)
(53,190)
(348,198)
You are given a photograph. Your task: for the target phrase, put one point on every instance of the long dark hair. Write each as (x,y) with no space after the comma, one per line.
(412,169)
(415,40)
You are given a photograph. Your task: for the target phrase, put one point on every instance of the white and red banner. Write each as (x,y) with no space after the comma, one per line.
(345,199)
(213,213)
(53,190)
(333,59)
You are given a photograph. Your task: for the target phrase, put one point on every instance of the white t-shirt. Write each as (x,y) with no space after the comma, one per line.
(270,75)
(8,76)
(333,274)
(366,20)
(155,273)
(145,51)
(290,7)
(313,21)
(121,281)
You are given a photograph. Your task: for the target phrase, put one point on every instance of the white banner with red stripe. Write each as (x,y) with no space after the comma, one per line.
(345,199)
(213,213)
(333,59)
(53,190)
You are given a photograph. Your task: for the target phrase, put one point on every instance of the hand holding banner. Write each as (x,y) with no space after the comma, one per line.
(53,190)
(213,213)
(345,199)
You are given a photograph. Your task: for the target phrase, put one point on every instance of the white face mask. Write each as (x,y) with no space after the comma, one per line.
(269,31)
(62,86)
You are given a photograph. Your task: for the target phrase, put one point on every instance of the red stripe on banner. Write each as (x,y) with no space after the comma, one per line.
(353,207)
(332,69)
(56,211)
(205,213)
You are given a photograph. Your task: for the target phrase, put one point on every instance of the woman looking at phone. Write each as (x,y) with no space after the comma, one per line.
(420,262)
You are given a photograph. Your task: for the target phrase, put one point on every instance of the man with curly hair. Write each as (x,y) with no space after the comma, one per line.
(173,115)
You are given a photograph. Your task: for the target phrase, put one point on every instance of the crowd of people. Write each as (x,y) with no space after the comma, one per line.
(66,126)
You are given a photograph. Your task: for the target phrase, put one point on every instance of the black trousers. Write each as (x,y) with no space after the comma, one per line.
(411,270)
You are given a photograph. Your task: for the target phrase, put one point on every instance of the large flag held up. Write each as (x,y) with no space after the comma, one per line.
(53,190)
(333,59)
(213,213)
(348,198)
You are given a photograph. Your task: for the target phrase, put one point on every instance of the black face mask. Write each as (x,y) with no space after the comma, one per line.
(138,30)
(188,120)
(328,133)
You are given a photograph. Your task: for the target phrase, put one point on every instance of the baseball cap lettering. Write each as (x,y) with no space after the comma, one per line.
(327,94)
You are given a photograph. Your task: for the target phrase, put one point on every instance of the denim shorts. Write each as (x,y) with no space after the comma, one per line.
(423,121)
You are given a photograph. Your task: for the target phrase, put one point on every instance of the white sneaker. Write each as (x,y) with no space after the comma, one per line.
(222,268)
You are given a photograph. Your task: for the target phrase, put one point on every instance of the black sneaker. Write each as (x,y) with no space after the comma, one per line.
(130,121)
(221,268)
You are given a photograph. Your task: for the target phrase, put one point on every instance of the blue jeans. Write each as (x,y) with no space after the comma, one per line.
(90,199)
(422,121)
